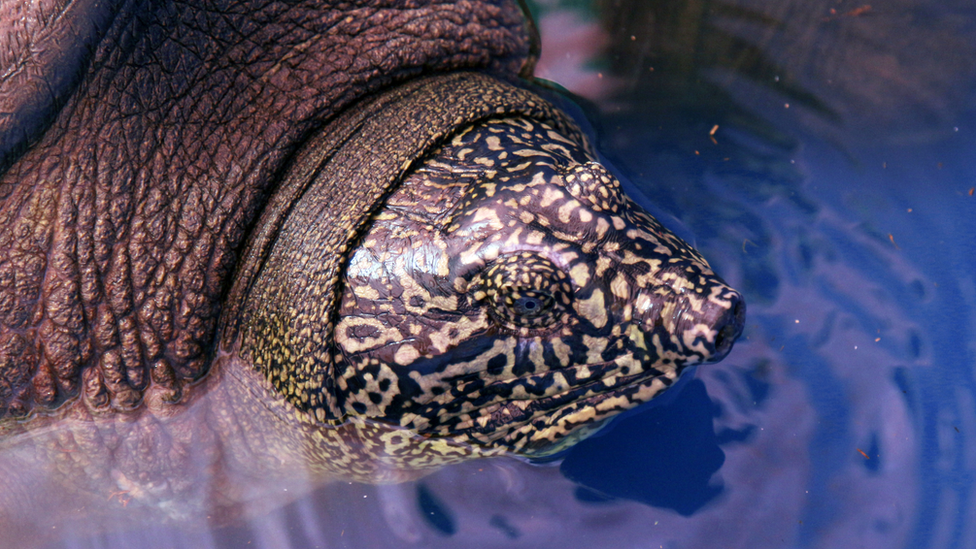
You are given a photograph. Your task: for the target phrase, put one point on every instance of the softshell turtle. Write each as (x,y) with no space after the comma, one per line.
(257,245)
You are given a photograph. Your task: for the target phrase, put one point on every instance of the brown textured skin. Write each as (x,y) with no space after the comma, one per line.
(121,223)
(119,227)
(44,46)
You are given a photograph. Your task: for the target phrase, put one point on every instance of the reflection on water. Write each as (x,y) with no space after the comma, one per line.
(819,154)
(824,193)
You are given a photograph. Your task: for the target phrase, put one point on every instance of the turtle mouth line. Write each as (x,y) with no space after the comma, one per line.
(504,416)
(482,408)
(576,416)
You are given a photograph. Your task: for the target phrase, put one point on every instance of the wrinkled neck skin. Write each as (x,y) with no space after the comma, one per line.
(45,47)
(134,158)
(119,227)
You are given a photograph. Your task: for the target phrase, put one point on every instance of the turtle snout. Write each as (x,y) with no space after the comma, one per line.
(728,325)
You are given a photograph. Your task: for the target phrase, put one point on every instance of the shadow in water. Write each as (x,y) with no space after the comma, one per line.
(663,457)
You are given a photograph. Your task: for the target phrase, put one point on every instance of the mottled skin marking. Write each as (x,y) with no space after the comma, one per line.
(511,296)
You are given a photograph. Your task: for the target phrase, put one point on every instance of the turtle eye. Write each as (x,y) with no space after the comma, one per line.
(531,303)
(525,290)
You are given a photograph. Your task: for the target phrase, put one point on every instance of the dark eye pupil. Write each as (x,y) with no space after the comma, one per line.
(528,306)
(524,290)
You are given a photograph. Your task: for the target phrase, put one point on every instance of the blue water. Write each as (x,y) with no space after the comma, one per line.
(846,417)
(836,193)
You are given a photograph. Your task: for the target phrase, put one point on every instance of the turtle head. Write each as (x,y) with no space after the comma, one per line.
(509,295)
(498,292)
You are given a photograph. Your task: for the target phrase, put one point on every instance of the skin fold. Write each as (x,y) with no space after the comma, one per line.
(122,223)
(44,49)
(250,248)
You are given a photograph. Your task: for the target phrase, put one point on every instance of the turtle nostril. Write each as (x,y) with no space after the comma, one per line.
(729,328)
(739,314)
(724,340)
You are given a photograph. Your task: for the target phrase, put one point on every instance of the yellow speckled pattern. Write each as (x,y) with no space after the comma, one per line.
(452,261)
